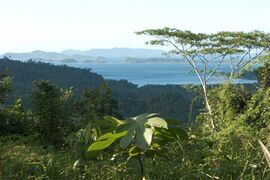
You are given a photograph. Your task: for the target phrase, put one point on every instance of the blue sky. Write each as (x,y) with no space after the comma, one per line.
(55,25)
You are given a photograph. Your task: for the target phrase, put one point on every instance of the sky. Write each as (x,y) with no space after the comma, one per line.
(55,25)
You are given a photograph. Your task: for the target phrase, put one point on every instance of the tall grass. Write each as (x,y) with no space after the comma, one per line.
(265,152)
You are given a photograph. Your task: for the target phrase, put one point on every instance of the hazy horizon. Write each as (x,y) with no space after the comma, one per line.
(60,51)
(54,26)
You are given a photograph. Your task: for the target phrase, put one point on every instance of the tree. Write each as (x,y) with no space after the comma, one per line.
(263,73)
(96,103)
(198,49)
(5,86)
(49,108)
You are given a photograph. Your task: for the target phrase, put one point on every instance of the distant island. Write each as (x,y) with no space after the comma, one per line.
(114,55)
(153,60)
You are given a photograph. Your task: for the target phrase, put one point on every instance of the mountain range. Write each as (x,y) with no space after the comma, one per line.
(114,55)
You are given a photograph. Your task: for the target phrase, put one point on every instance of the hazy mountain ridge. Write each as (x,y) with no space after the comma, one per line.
(44,56)
(118,53)
(114,55)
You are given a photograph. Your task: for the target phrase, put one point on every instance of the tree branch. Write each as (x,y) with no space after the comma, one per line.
(216,68)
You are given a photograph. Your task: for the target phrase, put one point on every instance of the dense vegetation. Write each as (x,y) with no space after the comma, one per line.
(65,133)
(170,101)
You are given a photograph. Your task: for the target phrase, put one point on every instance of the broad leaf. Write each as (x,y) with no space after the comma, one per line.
(138,129)
(103,142)
(157,122)
(109,123)
(127,139)
(113,120)
(143,137)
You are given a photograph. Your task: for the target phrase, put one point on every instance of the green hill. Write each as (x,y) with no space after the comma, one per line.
(171,101)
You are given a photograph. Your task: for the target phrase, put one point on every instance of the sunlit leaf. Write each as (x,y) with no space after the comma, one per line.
(103,142)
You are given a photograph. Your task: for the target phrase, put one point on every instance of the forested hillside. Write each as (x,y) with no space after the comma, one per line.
(60,135)
(171,101)
(188,98)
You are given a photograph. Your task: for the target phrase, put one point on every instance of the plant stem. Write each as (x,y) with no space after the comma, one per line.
(141,165)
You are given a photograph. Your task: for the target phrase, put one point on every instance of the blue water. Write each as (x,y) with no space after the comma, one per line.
(143,74)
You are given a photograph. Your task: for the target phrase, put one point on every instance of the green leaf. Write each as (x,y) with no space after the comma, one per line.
(157,122)
(113,120)
(103,142)
(128,126)
(109,123)
(143,134)
(141,119)
(126,140)
(143,137)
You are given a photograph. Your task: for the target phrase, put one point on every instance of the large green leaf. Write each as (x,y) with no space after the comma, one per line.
(143,137)
(109,123)
(127,139)
(103,142)
(142,119)
(129,125)
(138,129)
(157,122)
(113,120)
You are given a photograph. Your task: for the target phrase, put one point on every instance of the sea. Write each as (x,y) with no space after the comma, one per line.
(155,74)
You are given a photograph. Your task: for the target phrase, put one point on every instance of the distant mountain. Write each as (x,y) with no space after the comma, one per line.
(114,55)
(44,56)
(37,55)
(118,53)
(71,52)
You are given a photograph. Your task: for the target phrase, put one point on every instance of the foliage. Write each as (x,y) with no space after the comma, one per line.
(21,158)
(171,101)
(96,103)
(5,86)
(12,118)
(139,137)
(143,145)
(15,119)
(49,108)
(266,152)
(263,75)
(229,101)
(238,48)
(135,132)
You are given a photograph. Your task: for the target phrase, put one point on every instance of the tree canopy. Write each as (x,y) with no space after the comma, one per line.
(240,49)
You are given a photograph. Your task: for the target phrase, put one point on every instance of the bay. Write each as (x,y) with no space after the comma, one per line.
(158,74)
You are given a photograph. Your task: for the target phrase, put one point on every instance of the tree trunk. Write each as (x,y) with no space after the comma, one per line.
(207,105)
